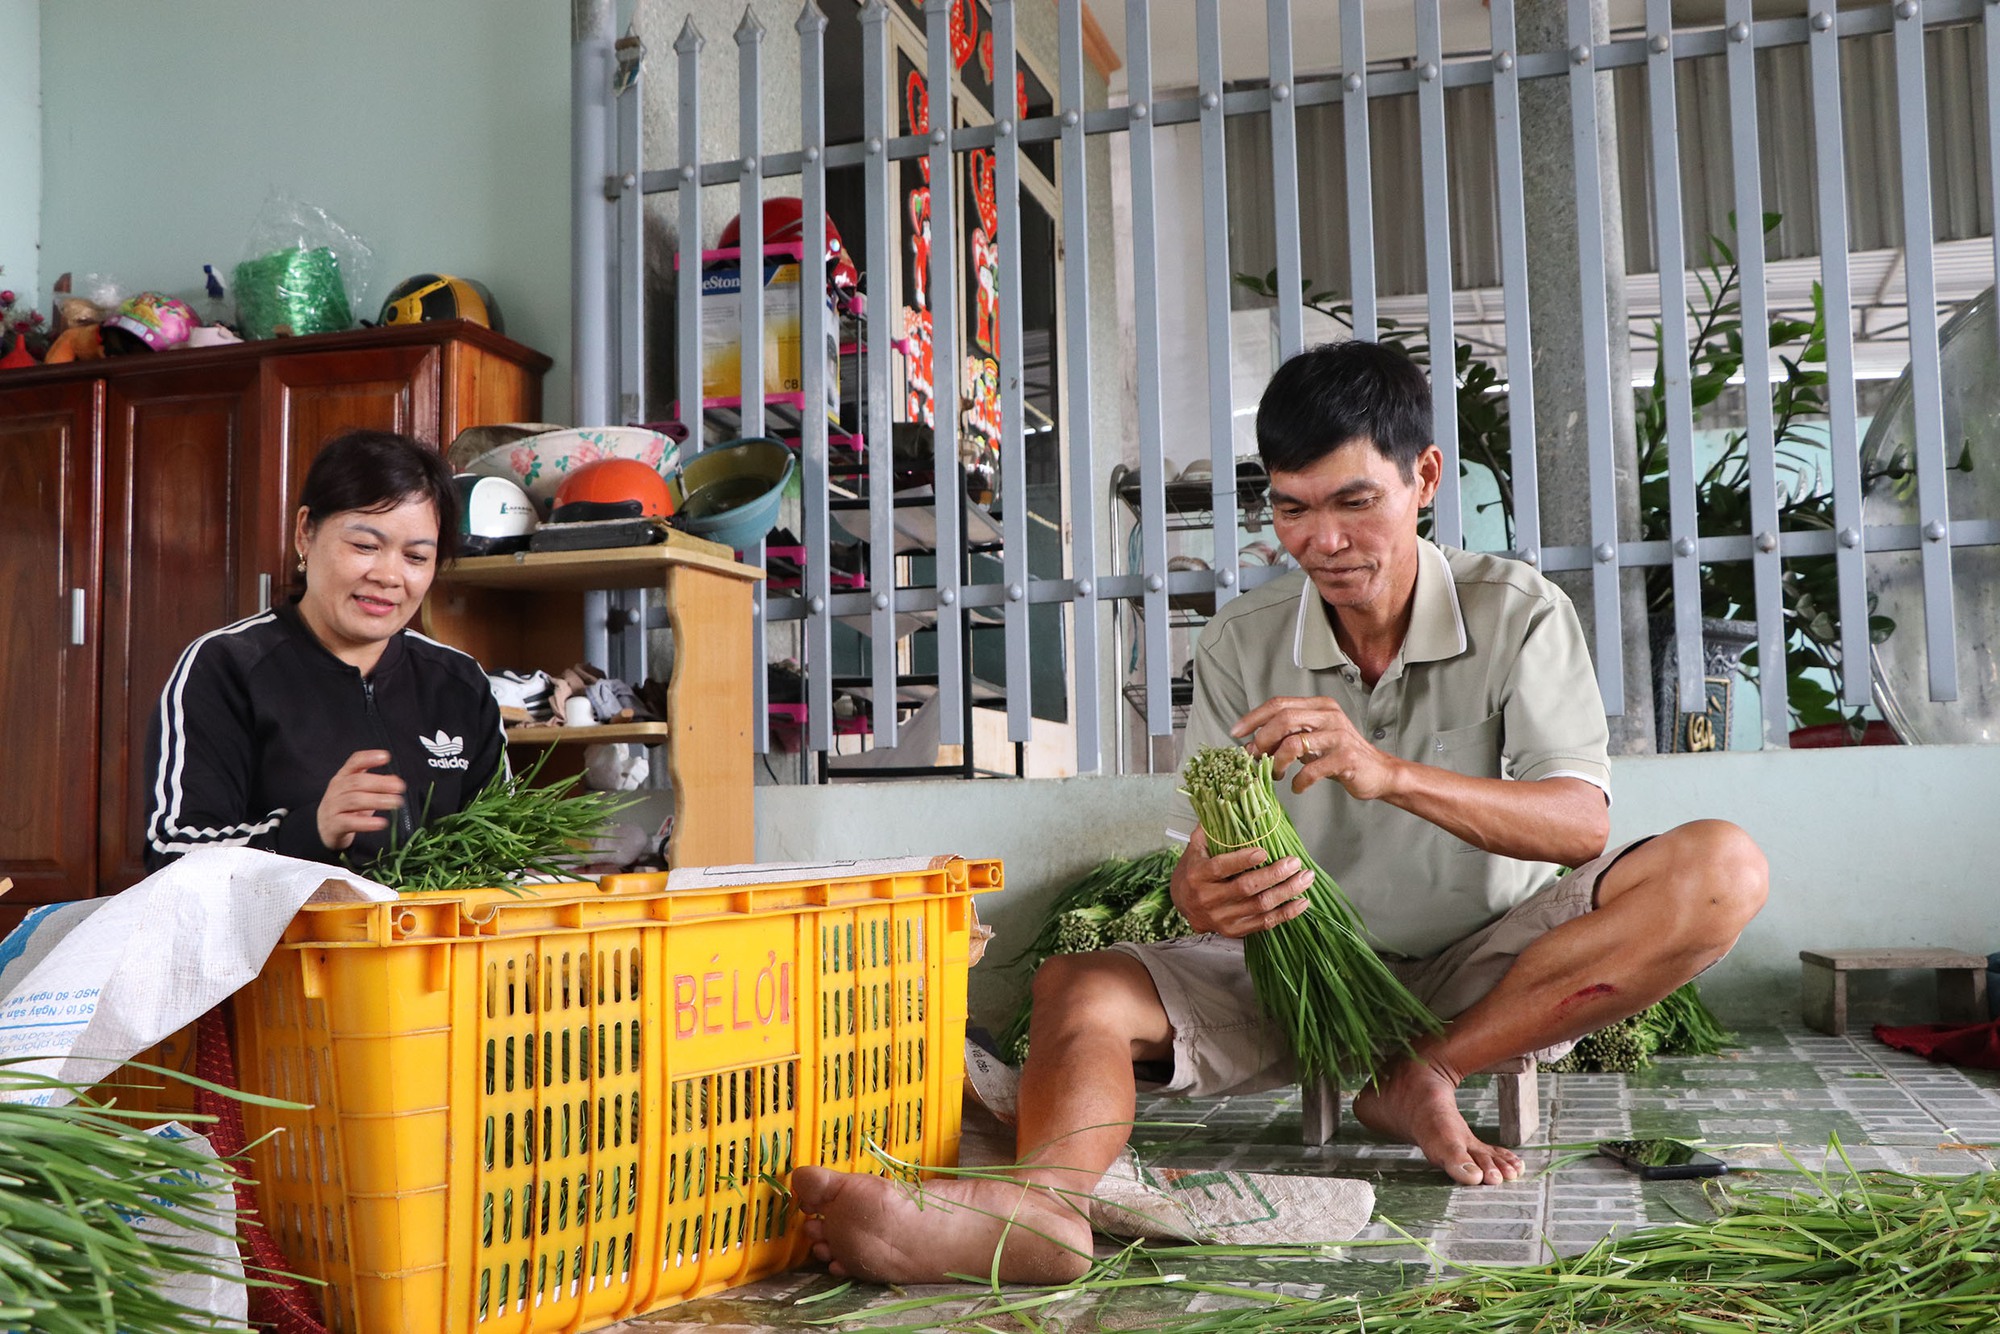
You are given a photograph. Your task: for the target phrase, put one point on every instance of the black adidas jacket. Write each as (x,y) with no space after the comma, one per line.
(258,716)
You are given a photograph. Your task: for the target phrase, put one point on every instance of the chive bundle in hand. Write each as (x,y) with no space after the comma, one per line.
(1340,1006)
(510,830)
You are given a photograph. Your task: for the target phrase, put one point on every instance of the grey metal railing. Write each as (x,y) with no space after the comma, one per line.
(614,389)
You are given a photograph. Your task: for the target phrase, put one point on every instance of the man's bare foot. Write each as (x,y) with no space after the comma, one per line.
(886,1231)
(1417,1103)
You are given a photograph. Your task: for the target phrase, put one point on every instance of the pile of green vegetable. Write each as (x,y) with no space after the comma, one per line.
(84,1197)
(1839,1253)
(1124,898)
(510,830)
(1677,1025)
(1341,1008)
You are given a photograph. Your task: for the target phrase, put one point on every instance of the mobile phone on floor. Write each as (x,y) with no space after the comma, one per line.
(1663,1159)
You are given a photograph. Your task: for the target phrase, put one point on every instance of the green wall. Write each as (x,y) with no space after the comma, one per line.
(436,129)
(20,149)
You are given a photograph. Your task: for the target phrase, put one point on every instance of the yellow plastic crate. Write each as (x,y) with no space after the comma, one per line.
(558,1110)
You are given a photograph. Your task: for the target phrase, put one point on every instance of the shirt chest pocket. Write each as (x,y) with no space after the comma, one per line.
(1473,751)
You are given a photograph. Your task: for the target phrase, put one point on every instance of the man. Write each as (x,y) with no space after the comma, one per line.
(1445,742)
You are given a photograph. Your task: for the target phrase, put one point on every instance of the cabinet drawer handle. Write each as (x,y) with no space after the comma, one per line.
(263,592)
(76,616)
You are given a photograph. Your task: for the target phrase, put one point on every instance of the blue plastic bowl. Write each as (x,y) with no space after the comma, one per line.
(730,494)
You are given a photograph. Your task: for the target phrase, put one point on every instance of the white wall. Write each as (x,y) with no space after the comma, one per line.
(436,129)
(20,150)
(1873,846)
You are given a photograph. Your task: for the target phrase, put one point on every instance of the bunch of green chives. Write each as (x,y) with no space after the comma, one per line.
(84,1197)
(1342,1009)
(510,830)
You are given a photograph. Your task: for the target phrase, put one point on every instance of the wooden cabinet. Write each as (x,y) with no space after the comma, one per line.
(154,493)
(526,612)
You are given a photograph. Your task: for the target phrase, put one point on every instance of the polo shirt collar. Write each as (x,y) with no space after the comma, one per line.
(1437,625)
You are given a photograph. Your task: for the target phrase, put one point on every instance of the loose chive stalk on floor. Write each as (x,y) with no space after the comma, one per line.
(1342,1009)
(83,1198)
(1840,1252)
(510,830)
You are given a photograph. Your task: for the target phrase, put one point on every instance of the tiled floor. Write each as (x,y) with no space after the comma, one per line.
(1784,1091)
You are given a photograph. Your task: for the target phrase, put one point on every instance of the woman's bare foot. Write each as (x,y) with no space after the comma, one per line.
(1417,1103)
(886,1231)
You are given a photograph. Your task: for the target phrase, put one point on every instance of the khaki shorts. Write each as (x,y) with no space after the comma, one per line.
(1224,1044)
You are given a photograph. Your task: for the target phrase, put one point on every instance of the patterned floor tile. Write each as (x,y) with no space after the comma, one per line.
(1773,1104)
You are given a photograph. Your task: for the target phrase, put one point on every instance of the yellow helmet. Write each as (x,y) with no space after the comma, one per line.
(440,296)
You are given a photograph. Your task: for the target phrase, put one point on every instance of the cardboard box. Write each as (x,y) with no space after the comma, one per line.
(722,334)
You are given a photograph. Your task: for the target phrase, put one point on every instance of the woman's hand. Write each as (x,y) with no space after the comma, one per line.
(354,795)
(1235,893)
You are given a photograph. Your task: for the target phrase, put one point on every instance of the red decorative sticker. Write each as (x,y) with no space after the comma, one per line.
(917,115)
(964,31)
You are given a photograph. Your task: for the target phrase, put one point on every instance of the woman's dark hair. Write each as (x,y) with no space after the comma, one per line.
(1329,395)
(372,471)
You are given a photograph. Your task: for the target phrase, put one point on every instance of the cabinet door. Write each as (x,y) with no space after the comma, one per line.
(177,564)
(307,399)
(48,640)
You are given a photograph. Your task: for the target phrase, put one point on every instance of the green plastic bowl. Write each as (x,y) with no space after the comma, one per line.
(730,494)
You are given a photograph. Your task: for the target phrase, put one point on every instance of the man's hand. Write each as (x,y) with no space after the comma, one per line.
(1235,893)
(354,795)
(1318,736)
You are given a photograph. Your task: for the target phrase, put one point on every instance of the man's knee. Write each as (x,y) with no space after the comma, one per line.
(1735,879)
(1104,989)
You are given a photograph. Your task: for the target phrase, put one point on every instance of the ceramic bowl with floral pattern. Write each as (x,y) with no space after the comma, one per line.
(541,462)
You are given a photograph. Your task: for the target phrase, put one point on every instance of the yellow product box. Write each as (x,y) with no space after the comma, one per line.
(722,335)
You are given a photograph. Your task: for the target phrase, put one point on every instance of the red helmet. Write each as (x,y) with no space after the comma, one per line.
(784,220)
(612,489)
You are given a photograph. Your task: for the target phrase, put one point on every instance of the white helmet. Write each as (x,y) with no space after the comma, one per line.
(495,515)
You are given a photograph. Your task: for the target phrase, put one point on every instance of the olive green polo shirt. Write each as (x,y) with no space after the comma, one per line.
(1493,680)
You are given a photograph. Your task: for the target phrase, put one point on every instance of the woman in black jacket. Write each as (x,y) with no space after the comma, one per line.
(324,727)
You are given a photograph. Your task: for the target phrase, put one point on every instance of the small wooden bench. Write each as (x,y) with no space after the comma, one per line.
(1514,1080)
(1961,983)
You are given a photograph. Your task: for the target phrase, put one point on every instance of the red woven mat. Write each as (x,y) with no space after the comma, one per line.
(287,1307)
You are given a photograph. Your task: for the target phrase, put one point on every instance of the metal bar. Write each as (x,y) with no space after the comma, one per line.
(750,310)
(1513,221)
(1146,308)
(1284,181)
(1766,566)
(1830,156)
(817,582)
(1683,516)
(630,209)
(1013,441)
(590,159)
(687,278)
(947,484)
(1216,293)
(1447,513)
(1926,380)
(1360,178)
(750,220)
(1990,26)
(875,127)
(1605,608)
(1076,397)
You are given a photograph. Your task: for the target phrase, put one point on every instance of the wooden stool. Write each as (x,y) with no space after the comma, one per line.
(1961,983)
(1520,1104)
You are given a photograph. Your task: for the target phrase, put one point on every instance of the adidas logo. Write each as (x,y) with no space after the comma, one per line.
(445,750)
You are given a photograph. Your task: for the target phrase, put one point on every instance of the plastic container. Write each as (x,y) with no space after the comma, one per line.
(557,1110)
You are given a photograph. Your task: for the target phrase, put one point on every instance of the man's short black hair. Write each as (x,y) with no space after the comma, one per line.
(1329,395)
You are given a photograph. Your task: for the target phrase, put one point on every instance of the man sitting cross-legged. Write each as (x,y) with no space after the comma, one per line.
(1436,712)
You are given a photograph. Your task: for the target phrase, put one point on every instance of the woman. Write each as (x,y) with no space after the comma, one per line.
(325,727)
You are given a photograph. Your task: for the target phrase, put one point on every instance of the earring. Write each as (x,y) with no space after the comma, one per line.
(302,562)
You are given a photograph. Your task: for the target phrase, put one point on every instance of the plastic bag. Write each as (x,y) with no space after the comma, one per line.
(302,272)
